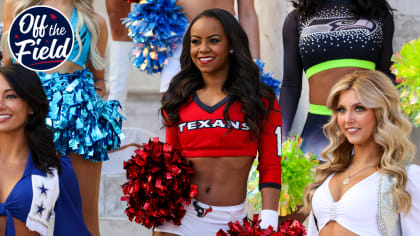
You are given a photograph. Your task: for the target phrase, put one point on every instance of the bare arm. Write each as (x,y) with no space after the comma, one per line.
(249,21)
(8,9)
(117,10)
(270,198)
(99,75)
(270,201)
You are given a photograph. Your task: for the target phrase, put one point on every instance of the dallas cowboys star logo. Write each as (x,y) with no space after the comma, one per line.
(40,209)
(43,190)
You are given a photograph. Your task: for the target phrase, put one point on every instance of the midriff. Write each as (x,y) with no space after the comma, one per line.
(321,83)
(193,7)
(20,227)
(221,181)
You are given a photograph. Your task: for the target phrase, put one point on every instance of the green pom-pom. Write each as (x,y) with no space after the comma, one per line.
(297,172)
(253,193)
(406,68)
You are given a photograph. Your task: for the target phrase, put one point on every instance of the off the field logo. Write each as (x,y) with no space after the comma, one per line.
(41,38)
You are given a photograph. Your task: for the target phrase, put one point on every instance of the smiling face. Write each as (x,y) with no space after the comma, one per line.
(210,47)
(356,121)
(13,110)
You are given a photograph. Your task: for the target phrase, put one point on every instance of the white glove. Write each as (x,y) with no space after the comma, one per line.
(269,217)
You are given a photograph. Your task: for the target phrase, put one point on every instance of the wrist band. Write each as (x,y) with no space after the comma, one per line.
(269,217)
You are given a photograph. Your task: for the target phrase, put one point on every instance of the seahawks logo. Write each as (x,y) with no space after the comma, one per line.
(326,25)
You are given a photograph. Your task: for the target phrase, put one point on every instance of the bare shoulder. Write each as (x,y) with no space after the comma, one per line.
(103,34)
(102,24)
(9,7)
(10,3)
(8,12)
(101,20)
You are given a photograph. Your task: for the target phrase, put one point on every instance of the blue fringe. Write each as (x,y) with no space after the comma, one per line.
(267,78)
(82,122)
(156,27)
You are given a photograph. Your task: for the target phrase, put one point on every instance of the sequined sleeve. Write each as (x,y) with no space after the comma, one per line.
(292,75)
(384,62)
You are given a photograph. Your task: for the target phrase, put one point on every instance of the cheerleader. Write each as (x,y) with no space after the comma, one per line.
(329,39)
(218,113)
(85,127)
(367,186)
(35,183)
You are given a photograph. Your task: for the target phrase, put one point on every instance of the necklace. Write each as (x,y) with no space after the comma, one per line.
(347,180)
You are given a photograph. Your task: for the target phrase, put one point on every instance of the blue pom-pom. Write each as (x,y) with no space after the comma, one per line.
(156,27)
(82,122)
(267,78)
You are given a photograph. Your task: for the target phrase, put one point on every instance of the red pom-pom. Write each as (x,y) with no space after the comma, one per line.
(292,228)
(158,185)
(132,1)
(289,228)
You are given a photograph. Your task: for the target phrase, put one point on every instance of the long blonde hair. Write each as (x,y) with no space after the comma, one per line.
(86,15)
(375,90)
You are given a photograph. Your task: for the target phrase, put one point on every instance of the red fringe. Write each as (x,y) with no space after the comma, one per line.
(289,228)
(158,185)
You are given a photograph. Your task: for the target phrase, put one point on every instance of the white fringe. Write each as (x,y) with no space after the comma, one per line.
(36,226)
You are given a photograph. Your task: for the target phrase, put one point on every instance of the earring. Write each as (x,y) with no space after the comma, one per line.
(231,51)
(31,113)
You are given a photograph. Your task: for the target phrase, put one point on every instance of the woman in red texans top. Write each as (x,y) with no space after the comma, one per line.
(219,114)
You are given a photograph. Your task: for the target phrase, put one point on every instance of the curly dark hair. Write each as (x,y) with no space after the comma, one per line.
(27,85)
(360,8)
(243,83)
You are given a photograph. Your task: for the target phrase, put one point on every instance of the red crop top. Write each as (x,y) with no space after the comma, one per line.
(202,132)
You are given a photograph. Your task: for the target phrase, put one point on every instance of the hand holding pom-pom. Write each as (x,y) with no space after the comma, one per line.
(289,228)
(158,185)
